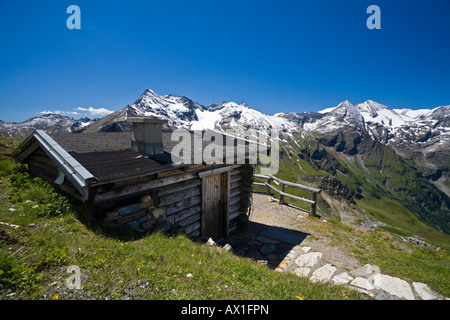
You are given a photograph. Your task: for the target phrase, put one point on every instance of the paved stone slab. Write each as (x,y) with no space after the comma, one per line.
(305,249)
(362,283)
(424,292)
(302,271)
(308,259)
(394,286)
(323,274)
(342,278)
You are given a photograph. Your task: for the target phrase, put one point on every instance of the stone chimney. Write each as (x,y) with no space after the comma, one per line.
(147,135)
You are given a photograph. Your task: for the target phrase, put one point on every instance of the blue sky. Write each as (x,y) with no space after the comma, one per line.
(277,56)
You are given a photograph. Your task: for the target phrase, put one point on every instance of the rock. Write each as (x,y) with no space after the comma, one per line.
(147,204)
(146,198)
(342,278)
(227,247)
(15,226)
(362,283)
(323,274)
(424,291)
(395,286)
(367,271)
(308,259)
(125,210)
(210,242)
(112,214)
(156,212)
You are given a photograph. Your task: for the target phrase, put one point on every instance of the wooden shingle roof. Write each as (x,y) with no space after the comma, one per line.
(108,156)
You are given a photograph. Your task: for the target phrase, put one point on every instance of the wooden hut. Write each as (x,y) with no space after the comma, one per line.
(130,178)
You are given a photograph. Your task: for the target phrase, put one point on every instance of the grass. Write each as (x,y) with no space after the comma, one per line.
(404,222)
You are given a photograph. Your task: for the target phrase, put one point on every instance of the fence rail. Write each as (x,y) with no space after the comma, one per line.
(268,184)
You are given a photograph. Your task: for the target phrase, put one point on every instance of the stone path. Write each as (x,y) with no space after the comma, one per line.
(285,256)
(271,241)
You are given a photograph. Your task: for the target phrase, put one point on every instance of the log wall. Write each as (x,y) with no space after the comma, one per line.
(181,197)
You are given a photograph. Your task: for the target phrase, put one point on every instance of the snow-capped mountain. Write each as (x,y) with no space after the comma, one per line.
(182,112)
(386,125)
(49,122)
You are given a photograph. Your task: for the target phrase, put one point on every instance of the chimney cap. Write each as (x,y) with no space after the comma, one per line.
(147,120)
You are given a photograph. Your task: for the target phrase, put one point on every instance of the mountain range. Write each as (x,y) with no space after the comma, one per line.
(369,155)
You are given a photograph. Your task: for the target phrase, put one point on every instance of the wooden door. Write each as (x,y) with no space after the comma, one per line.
(215,193)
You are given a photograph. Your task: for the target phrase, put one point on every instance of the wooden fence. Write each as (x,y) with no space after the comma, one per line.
(268,184)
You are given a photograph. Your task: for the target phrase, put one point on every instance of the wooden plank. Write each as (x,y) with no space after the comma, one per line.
(235,214)
(43,166)
(290,195)
(29,150)
(235,185)
(236,177)
(132,216)
(295,185)
(314,205)
(259,183)
(235,192)
(183,204)
(193,228)
(189,220)
(144,186)
(225,202)
(282,194)
(260,176)
(235,207)
(187,212)
(215,171)
(175,197)
(235,199)
(211,206)
(179,187)
(66,186)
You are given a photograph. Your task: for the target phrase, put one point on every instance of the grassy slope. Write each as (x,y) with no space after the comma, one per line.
(383,184)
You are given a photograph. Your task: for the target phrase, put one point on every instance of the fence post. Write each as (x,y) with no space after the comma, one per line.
(313,205)
(282,196)
(268,181)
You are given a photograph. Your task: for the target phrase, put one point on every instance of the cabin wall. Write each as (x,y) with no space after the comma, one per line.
(178,202)
(40,165)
